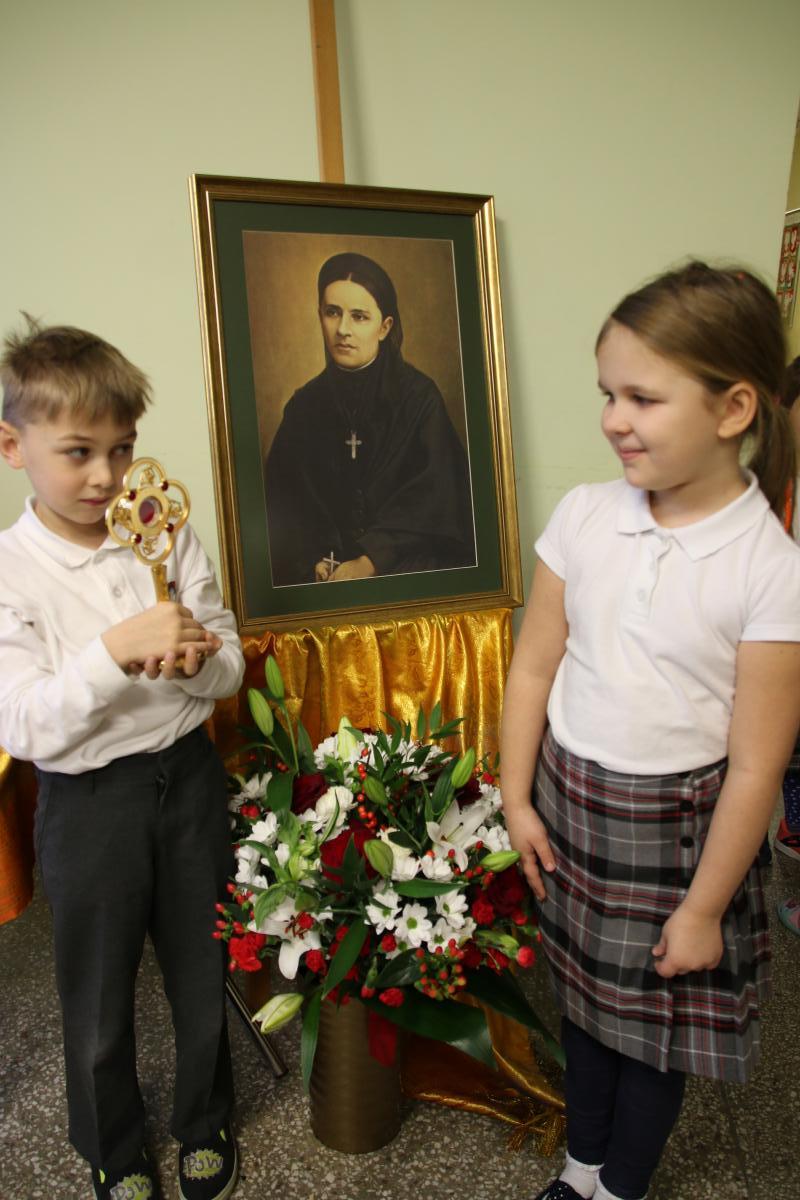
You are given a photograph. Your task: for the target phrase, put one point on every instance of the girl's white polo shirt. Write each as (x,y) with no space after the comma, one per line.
(655,617)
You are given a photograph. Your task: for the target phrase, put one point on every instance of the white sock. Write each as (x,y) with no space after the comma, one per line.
(601,1192)
(580,1176)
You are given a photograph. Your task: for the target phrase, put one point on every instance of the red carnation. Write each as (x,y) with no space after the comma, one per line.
(482,911)
(525,956)
(244,951)
(392,997)
(304,921)
(315,961)
(306,791)
(496,959)
(251,811)
(388,943)
(507,891)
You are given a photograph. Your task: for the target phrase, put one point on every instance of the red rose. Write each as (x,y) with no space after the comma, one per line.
(471,956)
(332,852)
(469,793)
(244,951)
(507,891)
(315,961)
(482,911)
(525,956)
(306,791)
(392,997)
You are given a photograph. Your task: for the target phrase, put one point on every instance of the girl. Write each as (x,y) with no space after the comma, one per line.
(655,692)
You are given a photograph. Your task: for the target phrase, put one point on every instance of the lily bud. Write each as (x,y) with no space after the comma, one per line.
(379,856)
(346,743)
(279,1011)
(500,860)
(463,769)
(274,678)
(261,711)
(375,791)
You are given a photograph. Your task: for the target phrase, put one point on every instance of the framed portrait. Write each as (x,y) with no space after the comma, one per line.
(357,399)
(787,266)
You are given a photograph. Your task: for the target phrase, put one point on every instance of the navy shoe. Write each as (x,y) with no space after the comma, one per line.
(209,1169)
(136,1182)
(559,1190)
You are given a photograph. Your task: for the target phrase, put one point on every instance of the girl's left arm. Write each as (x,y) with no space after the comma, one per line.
(764,725)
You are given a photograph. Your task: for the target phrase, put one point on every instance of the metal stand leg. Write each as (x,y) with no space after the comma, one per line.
(262,1039)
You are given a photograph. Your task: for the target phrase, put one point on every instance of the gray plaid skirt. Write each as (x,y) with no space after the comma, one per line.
(626,847)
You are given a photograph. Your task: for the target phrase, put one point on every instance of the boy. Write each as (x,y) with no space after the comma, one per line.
(131,825)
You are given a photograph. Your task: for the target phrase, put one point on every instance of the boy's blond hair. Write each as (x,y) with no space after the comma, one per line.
(46,371)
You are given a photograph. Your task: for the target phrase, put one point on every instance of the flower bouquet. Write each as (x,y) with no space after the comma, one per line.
(376,866)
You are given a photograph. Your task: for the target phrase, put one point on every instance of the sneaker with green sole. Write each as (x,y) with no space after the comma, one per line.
(136,1182)
(209,1169)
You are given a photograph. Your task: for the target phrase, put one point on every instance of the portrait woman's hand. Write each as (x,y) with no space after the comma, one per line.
(355,568)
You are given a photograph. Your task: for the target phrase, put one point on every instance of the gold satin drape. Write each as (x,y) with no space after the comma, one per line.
(364,671)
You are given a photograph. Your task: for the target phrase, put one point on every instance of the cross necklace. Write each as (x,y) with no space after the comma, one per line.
(353,442)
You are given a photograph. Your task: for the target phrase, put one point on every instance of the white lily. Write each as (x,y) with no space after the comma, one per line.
(456,830)
(293,948)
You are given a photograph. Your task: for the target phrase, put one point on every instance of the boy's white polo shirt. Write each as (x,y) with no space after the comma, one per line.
(64,703)
(655,615)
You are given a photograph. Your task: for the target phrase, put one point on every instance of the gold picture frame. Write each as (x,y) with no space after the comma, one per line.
(283,495)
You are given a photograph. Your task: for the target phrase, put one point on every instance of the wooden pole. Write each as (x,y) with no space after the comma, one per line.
(326,91)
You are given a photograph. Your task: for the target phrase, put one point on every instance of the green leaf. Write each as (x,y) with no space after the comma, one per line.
(443,1020)
(305,749)
(422,724)
(399,971)
(346,955)
(398,837)
(268,901)
(272,673)
(442,795)
(279,791)
(308,1038)
(262,713)
(420,888)
(380,856)
(504,995)
(436,715)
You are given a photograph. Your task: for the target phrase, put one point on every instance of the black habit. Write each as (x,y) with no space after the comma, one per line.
(368,462)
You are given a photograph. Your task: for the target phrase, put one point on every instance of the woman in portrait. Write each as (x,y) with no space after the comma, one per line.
(366,474)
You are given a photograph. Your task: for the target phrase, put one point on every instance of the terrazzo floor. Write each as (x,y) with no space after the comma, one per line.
(731,1143)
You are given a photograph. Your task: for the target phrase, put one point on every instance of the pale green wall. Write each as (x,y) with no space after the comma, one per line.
(616,138)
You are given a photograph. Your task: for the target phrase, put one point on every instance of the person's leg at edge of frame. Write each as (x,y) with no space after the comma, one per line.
(194,863)
(590,1091)
(100,898)
(648,1104)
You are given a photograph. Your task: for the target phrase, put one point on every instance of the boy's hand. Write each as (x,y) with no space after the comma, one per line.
(165,629)
(192,660)
(528,836)
(689,942)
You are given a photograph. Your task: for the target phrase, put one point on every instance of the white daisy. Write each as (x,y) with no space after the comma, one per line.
(413,926)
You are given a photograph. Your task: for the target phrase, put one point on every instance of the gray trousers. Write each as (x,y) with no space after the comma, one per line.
(140,846)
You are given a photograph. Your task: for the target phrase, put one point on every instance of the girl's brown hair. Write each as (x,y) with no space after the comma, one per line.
(45,371)
(723,326)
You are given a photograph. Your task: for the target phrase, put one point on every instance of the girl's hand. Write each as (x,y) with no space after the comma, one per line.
(528,837)
(688,942)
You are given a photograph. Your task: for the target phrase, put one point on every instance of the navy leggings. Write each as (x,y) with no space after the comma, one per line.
(620,1111)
